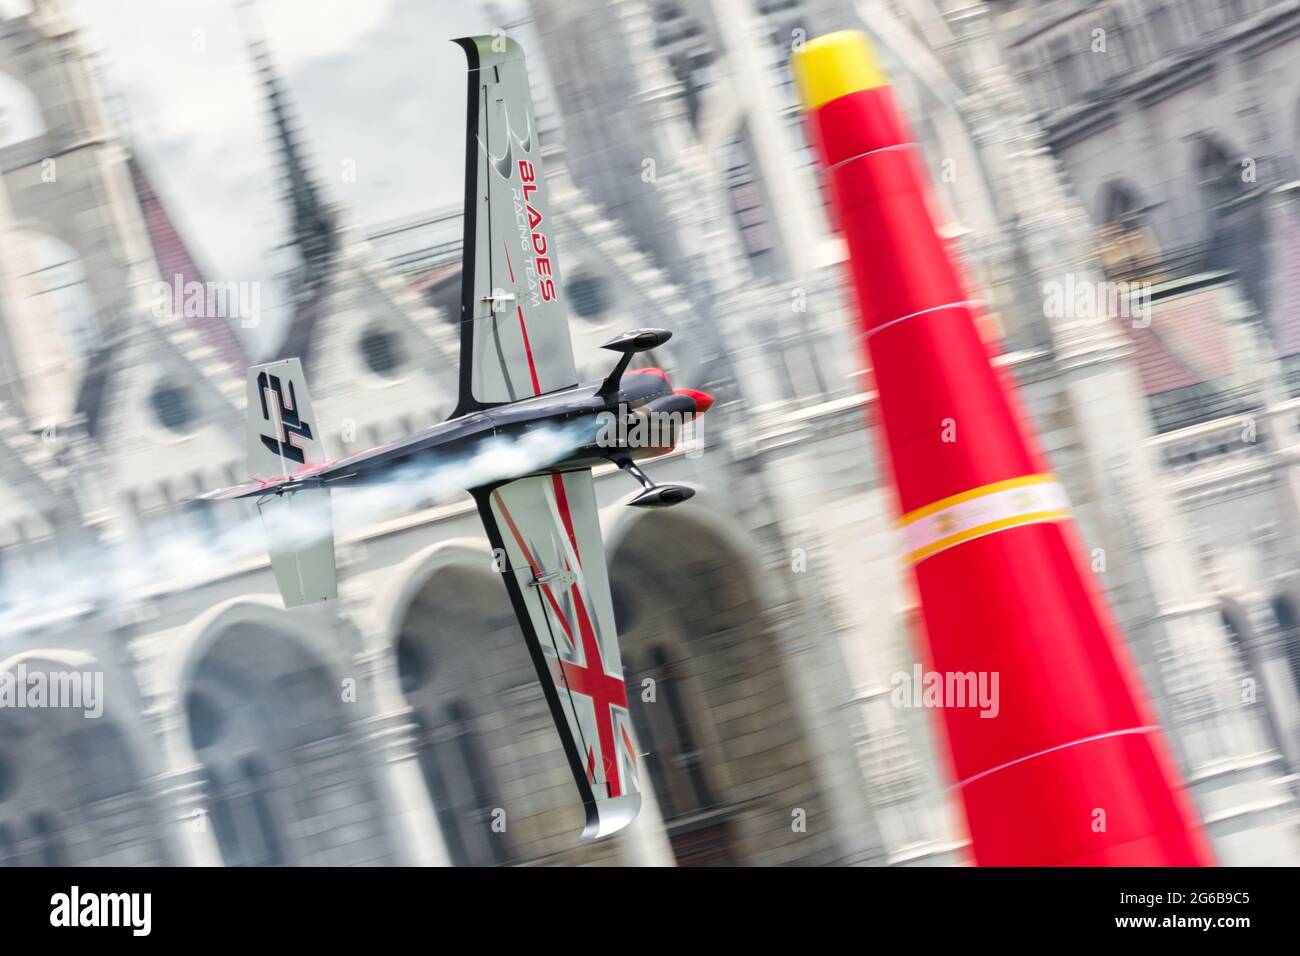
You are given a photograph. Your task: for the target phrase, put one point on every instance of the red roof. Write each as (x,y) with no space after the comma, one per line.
(174,259)
(1185,343)
(1285,311)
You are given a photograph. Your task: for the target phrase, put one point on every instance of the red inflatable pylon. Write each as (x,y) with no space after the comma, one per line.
(1068,767)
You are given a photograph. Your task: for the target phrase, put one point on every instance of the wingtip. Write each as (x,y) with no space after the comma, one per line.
(489,48)
(607,817)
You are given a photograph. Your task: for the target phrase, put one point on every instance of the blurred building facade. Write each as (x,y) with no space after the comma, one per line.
(1178,127)
(767,616)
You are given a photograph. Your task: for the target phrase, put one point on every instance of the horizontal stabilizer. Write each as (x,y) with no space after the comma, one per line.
(300,538)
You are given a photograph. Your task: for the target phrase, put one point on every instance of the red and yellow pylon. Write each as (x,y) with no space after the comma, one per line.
(1073,769)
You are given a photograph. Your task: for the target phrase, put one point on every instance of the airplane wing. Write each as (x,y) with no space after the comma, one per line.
(515,344)
(548,529)
(514,324)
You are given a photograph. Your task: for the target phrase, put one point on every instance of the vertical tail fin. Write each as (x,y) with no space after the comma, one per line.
(283,437)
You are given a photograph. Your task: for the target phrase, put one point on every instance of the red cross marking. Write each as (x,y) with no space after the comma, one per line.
(589,678)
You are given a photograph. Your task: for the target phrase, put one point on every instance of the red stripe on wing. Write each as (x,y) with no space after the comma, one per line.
(528,350)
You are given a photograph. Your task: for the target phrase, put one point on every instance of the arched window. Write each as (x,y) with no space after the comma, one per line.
(269,728)
(20,113)
(223,821)
(1127,244)
(1236,626)
(55,285)
(8,848)
(1164,29)
(101,763)
(70,791)
(1218,173)
(701,634)
(242,817)
(1239,630)
(667,732)
(1295,148)
(48,850)
(749,205)
(271,851)
(466,702)
(1288,623)
(1121,57)
(31,842)
(8,778)
(457,776)
(1123,206)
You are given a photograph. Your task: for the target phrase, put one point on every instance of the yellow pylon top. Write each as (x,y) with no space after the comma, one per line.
(830,66)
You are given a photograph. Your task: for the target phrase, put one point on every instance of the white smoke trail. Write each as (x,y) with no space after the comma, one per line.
(109,576)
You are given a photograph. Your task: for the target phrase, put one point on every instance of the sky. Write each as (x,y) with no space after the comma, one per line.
(374,83)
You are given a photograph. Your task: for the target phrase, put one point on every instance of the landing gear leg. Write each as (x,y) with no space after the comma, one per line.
(652,495)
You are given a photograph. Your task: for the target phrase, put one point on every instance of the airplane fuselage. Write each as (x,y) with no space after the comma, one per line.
(642,418)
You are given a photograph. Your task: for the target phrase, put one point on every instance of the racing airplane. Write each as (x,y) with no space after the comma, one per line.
(517,374)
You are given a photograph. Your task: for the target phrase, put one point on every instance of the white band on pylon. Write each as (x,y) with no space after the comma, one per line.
(943,524)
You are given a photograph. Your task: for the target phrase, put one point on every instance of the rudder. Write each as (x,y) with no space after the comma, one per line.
(284,439)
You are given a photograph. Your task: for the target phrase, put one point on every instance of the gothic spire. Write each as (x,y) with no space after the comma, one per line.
(312,225)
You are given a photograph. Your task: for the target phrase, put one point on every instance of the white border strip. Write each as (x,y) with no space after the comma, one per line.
(1073,743)
(912,315)
(993,511)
